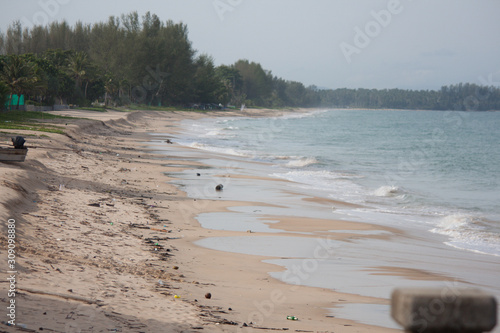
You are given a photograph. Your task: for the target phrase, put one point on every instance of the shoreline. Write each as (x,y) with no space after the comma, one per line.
(426,271)
(144,230)
(265,309)
(105,242)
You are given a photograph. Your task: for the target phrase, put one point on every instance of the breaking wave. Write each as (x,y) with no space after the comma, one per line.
(386,191)
(302,162)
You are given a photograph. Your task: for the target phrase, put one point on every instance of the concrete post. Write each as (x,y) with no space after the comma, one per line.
(423,310)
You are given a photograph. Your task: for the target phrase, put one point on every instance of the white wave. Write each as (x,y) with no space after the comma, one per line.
(386,191)
(339,186)
(302,114)
(452,224)
(220,150)
(465,232)
(214,132)
(305,161)
(308,176)
(282,157)
(490,249)
(211,132)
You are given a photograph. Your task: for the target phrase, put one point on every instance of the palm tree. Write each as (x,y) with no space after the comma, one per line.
(20,76)
(110,87)
(4,93)
(77,66)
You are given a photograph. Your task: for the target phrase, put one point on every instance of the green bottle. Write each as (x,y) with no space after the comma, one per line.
(292,318)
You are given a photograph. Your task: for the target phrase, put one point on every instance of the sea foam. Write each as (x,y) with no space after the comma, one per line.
(386,191)
(466,232)
(302,162)
(220,150)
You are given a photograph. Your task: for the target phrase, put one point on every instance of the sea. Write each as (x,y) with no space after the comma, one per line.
(432,174)
(440,169)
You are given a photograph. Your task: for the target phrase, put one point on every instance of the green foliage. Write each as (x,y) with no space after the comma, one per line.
(77,65)
(21,75)
(4,94)
(256,83)
(462,97)
(231,83)
(60,85)
(208,84)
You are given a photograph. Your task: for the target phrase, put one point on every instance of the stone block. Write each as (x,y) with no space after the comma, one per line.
(444,309)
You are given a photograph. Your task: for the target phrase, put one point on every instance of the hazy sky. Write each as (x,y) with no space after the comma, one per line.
(411,44)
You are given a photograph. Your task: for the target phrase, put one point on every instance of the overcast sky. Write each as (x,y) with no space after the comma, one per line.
(410,44)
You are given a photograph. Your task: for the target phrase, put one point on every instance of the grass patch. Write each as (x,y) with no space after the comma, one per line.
(11,134)
(38,128)
(134,107)
(92,109)
(29,120)
(20,116)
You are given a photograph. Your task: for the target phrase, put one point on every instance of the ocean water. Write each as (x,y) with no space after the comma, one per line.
(437,171)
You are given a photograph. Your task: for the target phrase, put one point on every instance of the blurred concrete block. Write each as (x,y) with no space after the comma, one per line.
(444,309)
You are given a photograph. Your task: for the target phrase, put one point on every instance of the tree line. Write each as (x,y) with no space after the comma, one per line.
(143,60)
(460,97)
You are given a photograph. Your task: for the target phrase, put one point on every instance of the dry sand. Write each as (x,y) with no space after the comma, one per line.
(105,244)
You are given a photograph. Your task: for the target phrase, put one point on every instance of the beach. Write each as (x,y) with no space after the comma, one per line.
(119,228)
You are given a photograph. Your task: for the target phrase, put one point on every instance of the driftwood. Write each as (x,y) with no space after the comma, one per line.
(270,328)
(139,226)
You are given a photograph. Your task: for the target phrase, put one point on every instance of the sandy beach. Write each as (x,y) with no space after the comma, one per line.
(106,242)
